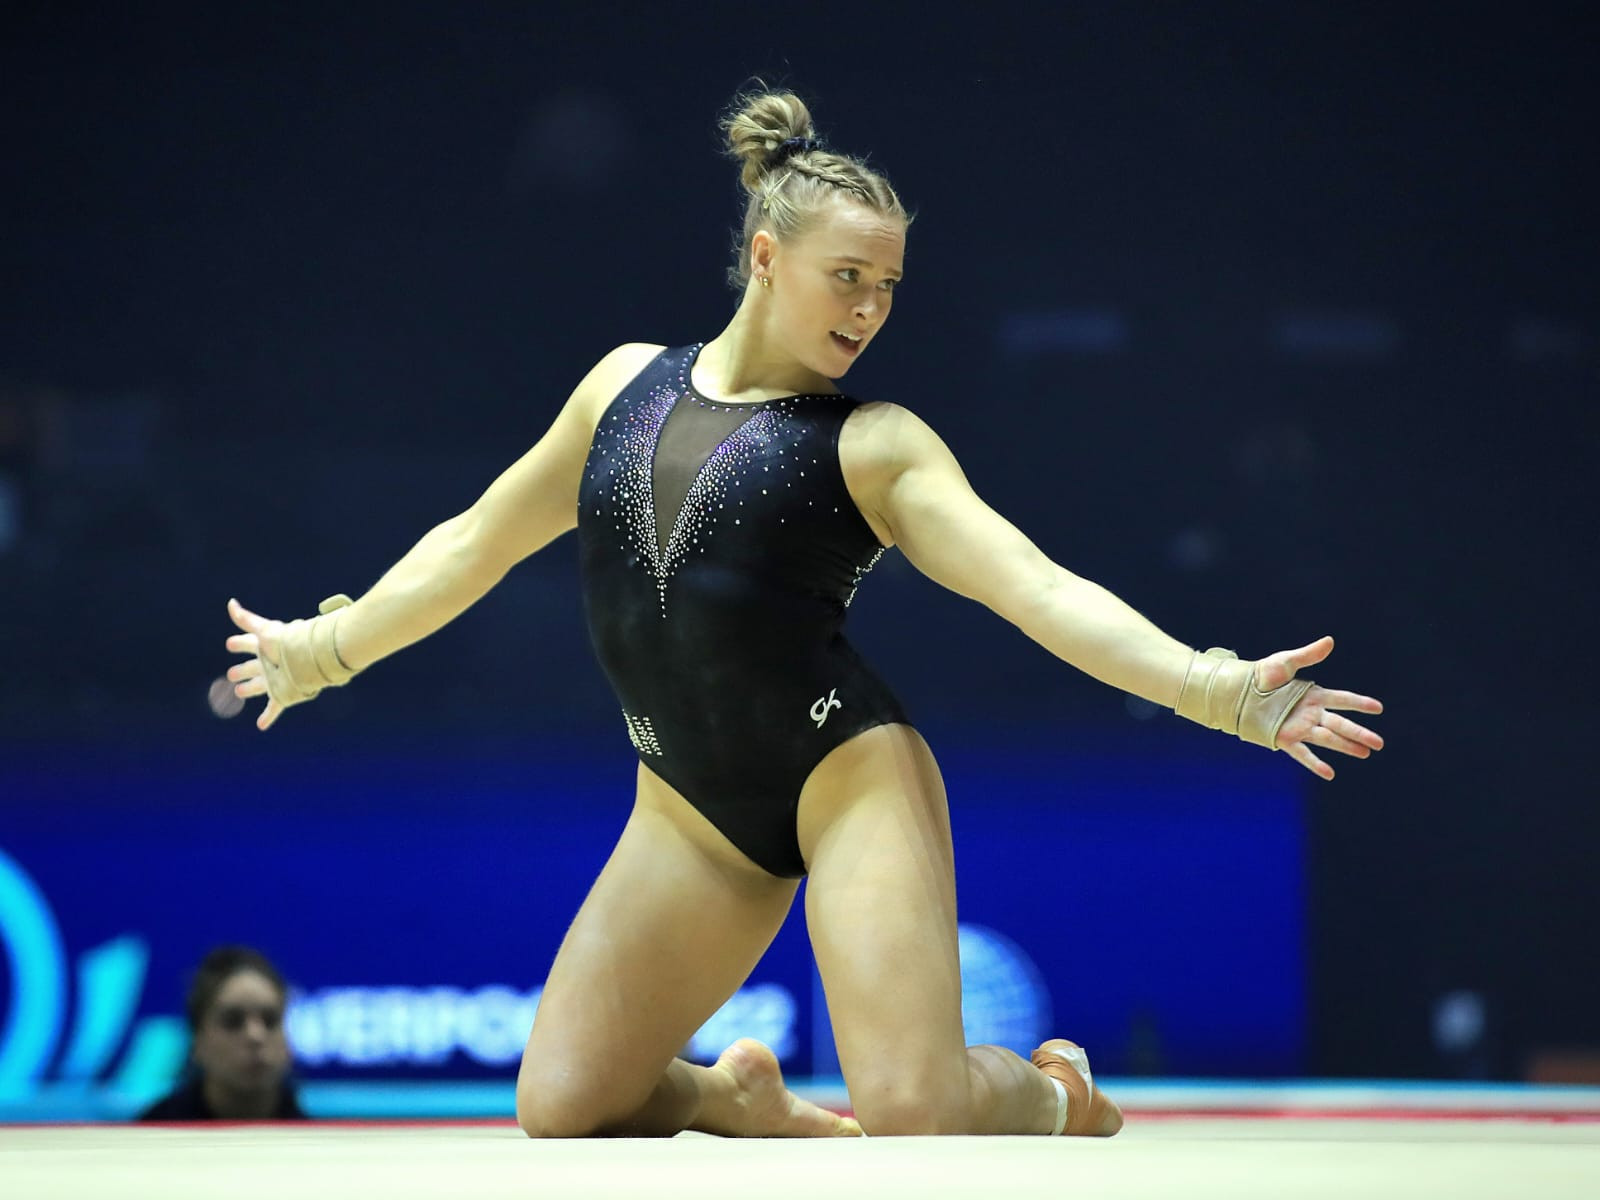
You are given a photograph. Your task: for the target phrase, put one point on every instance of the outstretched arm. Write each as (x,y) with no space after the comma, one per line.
(913,486)
(454,564)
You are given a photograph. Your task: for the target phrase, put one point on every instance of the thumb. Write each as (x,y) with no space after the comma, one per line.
(1278,669)
(1311,654)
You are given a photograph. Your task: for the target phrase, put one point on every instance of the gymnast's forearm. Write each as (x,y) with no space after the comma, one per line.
(436,581)
(1086,625)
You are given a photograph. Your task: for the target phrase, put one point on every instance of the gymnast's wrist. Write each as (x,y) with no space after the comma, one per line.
(1220,691)
(339,639)
(328,667)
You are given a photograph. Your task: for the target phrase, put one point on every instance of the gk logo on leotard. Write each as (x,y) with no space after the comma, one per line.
(820,710)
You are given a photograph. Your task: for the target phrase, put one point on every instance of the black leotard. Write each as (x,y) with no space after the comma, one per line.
(720,550)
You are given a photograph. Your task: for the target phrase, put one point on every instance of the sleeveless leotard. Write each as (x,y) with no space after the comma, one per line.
(720,550)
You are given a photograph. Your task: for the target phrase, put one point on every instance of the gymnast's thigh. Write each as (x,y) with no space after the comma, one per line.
(881,909)
(673,925)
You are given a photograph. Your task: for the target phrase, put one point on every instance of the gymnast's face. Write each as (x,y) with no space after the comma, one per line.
(833,285)
(240,1045)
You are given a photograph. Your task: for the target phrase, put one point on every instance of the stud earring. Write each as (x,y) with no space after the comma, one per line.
(766,280)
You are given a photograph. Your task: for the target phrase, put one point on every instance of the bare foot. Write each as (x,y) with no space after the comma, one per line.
(763,1107)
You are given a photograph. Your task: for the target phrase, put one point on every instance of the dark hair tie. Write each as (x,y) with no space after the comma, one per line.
(788,148)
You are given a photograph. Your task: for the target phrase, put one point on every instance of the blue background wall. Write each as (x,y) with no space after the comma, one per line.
(1152,904)
(1276,320)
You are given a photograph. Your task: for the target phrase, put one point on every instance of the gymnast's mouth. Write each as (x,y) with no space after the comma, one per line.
(851,346)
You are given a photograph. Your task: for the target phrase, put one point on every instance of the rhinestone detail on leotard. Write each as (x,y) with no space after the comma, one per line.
(861,573)
(642,733)
(708,494)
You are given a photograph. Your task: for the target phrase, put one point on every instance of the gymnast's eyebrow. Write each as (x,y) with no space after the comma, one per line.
(864,262)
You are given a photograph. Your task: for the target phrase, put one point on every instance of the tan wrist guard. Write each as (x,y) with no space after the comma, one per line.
(308,659)
(1220,692)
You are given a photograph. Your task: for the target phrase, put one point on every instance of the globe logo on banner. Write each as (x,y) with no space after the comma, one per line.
(1004,1001)
(109,981)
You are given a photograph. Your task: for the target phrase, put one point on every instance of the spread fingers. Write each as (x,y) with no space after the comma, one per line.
(1351,731)
(1329,740)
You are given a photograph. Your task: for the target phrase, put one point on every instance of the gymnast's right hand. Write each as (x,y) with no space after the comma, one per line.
(290,662)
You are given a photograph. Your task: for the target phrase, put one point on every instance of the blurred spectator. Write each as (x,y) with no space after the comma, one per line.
(238,1066)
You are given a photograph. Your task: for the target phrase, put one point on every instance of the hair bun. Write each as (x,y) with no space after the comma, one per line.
(763,130)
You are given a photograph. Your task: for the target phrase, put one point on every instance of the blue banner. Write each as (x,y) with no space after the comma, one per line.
(1148,905)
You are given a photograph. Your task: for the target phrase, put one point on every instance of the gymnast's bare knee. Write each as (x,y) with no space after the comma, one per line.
(550,1108)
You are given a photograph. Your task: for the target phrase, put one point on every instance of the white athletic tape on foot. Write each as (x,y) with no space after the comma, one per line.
(1078,1059)
(1061,1106)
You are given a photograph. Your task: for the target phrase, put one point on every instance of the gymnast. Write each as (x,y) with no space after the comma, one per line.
(728,500)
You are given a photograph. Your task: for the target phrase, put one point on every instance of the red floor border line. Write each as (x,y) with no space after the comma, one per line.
(1364,1114)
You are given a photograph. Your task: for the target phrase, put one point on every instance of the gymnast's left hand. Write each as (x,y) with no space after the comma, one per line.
(1313,721)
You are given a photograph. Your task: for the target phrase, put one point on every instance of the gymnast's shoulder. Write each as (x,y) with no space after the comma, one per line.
(881,439)
(616,370)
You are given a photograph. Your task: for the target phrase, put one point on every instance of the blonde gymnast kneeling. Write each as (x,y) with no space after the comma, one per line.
(728,499)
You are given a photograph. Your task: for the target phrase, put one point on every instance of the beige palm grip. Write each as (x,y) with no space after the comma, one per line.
(1220,692)
(308,660)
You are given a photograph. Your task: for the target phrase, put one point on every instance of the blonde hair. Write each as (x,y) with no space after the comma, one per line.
(789,175)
